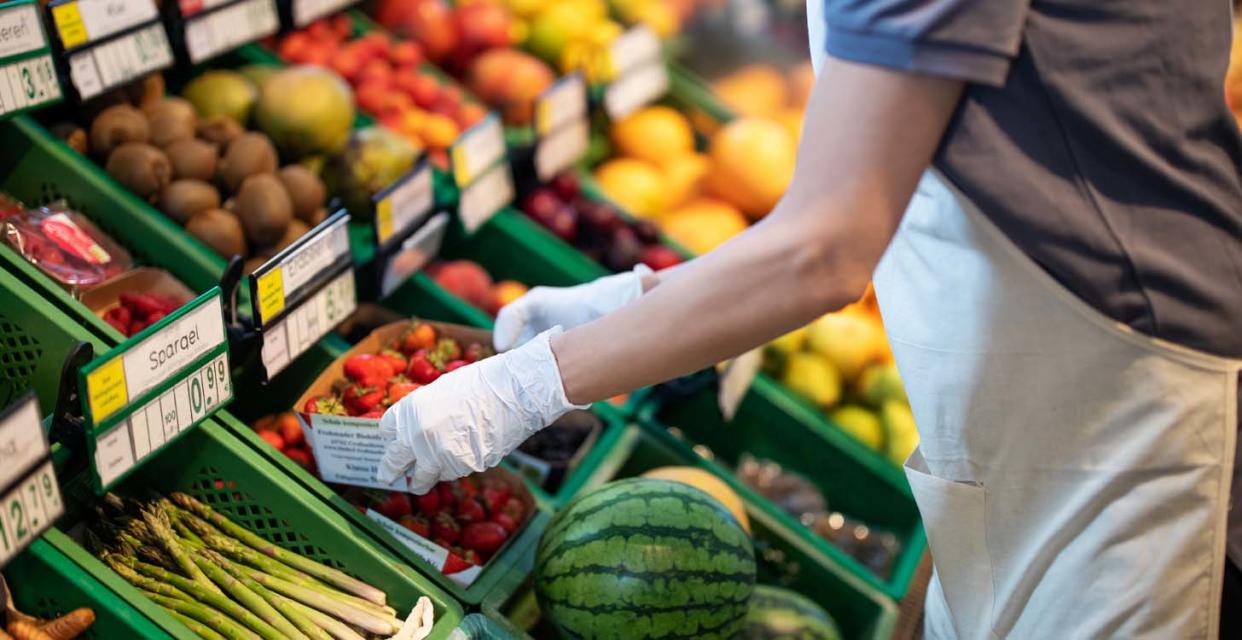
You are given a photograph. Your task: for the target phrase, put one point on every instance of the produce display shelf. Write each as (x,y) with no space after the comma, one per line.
(209,463)
(773,424)
(783,558)
(477,626)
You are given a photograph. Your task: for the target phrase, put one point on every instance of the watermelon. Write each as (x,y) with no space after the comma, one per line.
(645,558)
(781,613)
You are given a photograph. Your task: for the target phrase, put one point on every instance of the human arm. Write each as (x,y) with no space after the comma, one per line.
(869,134)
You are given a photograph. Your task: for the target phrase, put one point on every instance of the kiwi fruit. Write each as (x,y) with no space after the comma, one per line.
(264,208)
(305,189)
(247,155)
(115,126)
(295,230)
(142,168)
(315,218)
(171,119)
(186,197)
(219,130)
(72,135)
(220,230)
(147,91)
(254,262)
(192,158)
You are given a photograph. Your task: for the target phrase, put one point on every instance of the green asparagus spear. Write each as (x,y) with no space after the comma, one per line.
(201,630)
(125,568)
(344,611)
(337,629)
(206,615)
(216,600)
(157,522)
(288,608)
(212,564)
(335,577)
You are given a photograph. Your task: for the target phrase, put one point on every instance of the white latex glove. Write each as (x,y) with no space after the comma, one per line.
(545,307)
(469,419)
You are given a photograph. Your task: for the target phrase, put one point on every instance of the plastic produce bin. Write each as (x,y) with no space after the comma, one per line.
(477,626)
(209,463)
(773,425)
(782,558)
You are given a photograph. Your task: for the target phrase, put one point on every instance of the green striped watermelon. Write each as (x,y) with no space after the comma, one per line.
(645,558)
(788,615)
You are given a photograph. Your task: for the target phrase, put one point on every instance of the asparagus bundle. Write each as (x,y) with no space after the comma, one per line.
(222,581)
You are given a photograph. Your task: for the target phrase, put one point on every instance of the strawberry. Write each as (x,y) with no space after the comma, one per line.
(397,504)
(368,369)
(360,399)
(448,349)
(441,542)
(429,503)
(501,518)
(514,509)
(445,491)
(396,359)
(420,525)
(420,336)
(465,488)
(454,563)
(471,510)
(454,365)
(495,495)
(289,429)
(484,537)
(421,370)
(446,528)
(476,352)
(300,456)
(374,414)
(326,404)
(398,389)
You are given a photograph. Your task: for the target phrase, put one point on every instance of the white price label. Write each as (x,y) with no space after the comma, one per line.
(22,444)
(149,427)
(20,30)
(562,103)
(637,46)
(404,205)
(635,89)
(164,354)
(27,510)
(308,322)
(489,194)
(417,250)
(348,450)
(118,61)
(82,21)
(209,35)
(561,149)
(478,148)
(195,7)
(280,279)
(28,83)
(736,377)
(307,11)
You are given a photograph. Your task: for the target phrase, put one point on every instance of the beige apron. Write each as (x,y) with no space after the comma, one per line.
(1073,475)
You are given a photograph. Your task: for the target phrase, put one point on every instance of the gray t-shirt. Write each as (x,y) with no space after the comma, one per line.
(1095,134)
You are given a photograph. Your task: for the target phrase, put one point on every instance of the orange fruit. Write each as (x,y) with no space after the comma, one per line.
(634,184)
(683,177)
(753,90)
(703,224)
(439,130)
(752,164)
(654,134)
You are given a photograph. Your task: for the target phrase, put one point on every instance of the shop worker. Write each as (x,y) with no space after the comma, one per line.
(1047,196)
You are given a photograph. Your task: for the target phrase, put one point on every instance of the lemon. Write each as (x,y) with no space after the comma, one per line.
(861,423)
(813,377)
(900,430)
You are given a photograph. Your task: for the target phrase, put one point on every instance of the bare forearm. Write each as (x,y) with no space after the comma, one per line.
(813,254)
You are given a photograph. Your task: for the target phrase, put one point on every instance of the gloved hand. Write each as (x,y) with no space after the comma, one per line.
(545,307)
(470,418)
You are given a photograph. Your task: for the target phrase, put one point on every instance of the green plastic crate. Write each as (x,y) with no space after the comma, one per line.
(783,558)
(770,423)
(46,582)
(477,626)
(208,462)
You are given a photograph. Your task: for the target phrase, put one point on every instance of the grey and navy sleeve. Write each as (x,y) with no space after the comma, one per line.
(970,40)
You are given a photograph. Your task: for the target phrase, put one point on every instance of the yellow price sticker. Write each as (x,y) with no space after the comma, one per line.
(383,219)
(69,23)
(461,165)
(543,117)
(106,390)
(271,294)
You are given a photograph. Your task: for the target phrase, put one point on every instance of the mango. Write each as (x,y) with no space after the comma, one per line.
(813,377)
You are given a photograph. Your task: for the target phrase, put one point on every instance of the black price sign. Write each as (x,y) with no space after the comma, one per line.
(29,494)
(27,74)
(209,28)
(481,173)
(639,75)
(105,43)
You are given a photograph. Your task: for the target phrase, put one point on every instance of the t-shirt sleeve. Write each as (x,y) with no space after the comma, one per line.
(971,40)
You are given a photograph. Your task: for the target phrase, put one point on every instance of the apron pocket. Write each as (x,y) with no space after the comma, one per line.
(955,516)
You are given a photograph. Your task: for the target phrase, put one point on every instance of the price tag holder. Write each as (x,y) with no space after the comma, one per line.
(414,253)
(304,12)
(476,150)
(209,28)
(403,205)
(562,131)
(106,43)
(29,494)
(483,198)
(736,377)
(154,387)
(635,48)
(303,292)
(636,89)
(27,73)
